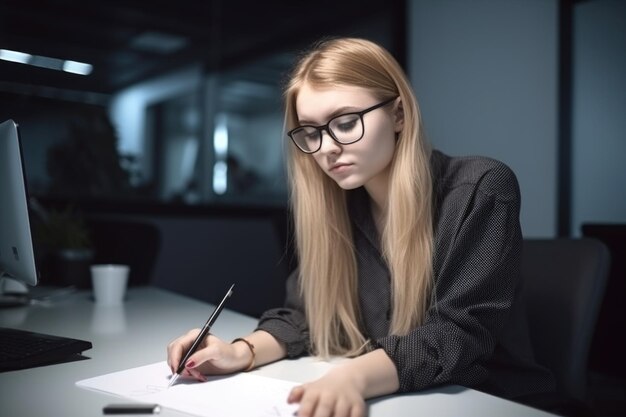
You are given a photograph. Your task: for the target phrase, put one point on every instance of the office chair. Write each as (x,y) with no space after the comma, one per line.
(564,283)
(607,351)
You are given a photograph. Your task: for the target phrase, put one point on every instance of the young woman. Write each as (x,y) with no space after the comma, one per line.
(408,258)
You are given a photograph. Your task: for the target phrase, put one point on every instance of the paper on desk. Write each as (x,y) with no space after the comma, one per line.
(236,395)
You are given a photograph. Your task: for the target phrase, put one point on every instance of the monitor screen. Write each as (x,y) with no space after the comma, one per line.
(17,260)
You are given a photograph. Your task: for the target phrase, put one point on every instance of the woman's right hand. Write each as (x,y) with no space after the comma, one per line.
(213,356)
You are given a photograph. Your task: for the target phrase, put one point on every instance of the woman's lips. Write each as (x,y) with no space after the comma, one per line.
(340,167)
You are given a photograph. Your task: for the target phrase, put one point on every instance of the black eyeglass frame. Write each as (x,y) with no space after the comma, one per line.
(327,128)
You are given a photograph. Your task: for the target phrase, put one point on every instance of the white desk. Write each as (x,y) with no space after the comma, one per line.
(137,334)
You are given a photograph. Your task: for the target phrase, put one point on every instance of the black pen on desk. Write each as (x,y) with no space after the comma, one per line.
(203,333)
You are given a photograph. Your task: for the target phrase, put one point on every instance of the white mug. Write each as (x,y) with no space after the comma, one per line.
(109,283)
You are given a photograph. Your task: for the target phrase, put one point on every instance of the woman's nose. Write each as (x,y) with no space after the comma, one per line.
(329,145)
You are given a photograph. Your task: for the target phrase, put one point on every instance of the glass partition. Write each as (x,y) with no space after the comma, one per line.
(206,133)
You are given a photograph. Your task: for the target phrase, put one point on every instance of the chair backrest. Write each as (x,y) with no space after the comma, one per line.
(564,282)
(606,354)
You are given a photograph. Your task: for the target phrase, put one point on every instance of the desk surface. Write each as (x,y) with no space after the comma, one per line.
(138,332)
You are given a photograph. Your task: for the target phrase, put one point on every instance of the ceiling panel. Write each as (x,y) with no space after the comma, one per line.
(129,41)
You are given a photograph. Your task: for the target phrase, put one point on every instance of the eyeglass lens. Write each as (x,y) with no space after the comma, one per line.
(345,129)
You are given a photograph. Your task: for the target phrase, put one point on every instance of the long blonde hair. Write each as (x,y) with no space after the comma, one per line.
(328,272)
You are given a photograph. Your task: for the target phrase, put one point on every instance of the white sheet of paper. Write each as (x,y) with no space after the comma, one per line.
(224,396)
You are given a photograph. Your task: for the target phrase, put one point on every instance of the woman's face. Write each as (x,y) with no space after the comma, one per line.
(363,163)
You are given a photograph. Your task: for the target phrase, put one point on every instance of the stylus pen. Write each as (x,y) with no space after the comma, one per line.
(203,333)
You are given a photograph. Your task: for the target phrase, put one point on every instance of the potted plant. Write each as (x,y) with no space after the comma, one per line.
(64,237)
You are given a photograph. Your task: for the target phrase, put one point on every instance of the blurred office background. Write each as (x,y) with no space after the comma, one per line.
(159,124)
(167,114)
(182,100)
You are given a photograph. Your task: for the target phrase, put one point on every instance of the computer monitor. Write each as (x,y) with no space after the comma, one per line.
(17,259)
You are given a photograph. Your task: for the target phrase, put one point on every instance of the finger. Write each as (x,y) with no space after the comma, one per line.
(196,374)
(295,395)
(316,406)
(358,410)
(174,354)
(169,362)
(193,374)
(176,348)
(309,404)
(306,409)
(208,354)
(324,407)
(342,409)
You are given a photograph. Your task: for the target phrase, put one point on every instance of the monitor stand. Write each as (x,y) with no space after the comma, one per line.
(13,293)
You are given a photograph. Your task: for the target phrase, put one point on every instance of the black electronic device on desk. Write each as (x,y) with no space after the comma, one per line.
(21,349)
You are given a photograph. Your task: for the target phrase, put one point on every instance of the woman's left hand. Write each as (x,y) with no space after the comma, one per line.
(336,394)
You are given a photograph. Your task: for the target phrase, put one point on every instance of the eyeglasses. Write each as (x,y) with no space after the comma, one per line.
(345,129)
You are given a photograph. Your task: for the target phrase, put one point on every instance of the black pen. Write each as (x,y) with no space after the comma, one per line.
(203,333)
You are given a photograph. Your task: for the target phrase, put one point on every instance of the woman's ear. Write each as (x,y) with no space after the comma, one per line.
(398,114)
